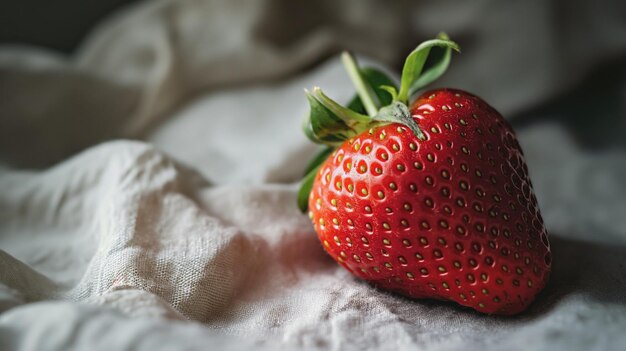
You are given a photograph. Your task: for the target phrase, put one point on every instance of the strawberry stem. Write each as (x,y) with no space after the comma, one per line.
(364,90)
(398,112)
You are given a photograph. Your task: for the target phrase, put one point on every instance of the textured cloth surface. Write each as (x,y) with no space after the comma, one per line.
(191,238)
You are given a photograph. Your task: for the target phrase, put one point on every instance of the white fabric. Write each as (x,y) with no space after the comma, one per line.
(191,239)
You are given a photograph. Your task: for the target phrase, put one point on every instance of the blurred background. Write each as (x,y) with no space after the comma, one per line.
(59,26)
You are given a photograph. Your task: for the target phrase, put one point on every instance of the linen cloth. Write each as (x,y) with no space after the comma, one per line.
(188,237)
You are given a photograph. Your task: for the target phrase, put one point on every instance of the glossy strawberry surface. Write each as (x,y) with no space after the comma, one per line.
(452,217)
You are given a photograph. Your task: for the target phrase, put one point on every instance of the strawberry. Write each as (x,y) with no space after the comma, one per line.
(432,201)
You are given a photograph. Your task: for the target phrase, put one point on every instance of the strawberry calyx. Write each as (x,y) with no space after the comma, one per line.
(378,102)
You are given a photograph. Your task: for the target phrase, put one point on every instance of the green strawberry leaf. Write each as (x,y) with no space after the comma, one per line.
(393,91)
(305,189)
(363,88)
(415,63)
(435,71)
(330,123)
(376,79)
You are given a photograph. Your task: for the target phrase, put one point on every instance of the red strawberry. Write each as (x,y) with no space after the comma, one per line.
(445,212)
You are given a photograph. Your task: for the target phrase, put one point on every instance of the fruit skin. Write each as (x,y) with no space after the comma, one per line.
(453,217)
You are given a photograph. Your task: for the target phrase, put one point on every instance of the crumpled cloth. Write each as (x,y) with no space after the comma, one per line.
(188,237)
